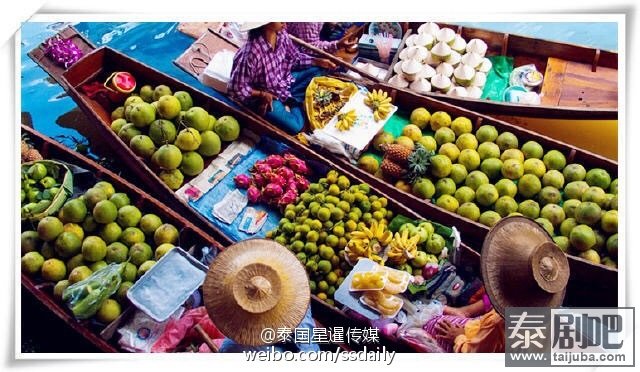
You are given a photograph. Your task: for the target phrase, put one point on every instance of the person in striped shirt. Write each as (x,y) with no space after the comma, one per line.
(310,32)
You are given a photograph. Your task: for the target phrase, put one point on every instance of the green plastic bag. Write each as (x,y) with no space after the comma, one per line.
(498,78)
(84,298)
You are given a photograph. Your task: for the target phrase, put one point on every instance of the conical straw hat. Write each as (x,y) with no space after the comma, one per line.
(248,26)
(253,285)
(522,267)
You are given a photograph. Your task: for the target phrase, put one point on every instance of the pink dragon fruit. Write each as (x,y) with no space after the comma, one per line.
(272,191)
(276,179)
(242,181)
(288,197)
(289,157)
(253,194)
(258,179)
(274,161)
(262,168)
(299,166)
(292,185)
(302,183)
(285,172)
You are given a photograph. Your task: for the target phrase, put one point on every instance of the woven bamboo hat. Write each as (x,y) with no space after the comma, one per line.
(522,267)
(253,285)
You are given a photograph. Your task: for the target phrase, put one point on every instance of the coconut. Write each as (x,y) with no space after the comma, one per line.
(459,44)
(472,60)
(419,53)
(440,83)
(403,54)
(427,72)
(420,86)
(474,92)
(429,28)
(479,80)
(446,35)
(454,58)
(410,40)
(485,66)
(463,75)
(398,81)
(477,46)
(410,69)
(441,50)
(445,69)
(431,60)
(424,40)
(458,92)
(397,68)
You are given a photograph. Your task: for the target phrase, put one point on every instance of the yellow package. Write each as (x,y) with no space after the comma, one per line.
(324,97)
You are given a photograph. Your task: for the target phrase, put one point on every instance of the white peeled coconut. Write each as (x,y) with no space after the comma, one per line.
(410,69)
(464,74)
(459,44)
(429,28)
(410,40)
(371,69)
(424,40)
(485,66)
(454,58)
(479,80)
(477,46)
(398,81)
(458,92)
(403,54)
(431,60)
(446,35)
(472,60)
(427,72)
(440,83)
(418,53)
(474,92)
(420,86)
(445,69)
(397,68)
(441,50)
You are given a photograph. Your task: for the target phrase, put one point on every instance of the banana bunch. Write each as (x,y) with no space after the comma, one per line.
(346,120)
(385,304)
(380,103)
(368,242)
(403,248)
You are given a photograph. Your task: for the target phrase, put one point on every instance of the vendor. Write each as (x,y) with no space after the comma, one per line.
(538,273)
(254,289)
(270,75)
(310,32)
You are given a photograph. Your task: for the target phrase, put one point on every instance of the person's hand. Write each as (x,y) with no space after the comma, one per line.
(265,103)
(447,331)
(326,64)
(448,310)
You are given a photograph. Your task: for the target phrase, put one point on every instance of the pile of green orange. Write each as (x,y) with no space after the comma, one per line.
(91,231)
(318,227)
(487,175)
(166,129)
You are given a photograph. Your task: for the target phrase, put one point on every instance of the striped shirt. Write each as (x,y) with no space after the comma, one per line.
(310,32)
(259,66)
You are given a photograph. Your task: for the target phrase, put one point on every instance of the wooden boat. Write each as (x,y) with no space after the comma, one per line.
(103,61)
(190,236)
(580,100)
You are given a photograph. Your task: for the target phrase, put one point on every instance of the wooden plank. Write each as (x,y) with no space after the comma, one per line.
(583,87)
(194,60)
(553,81)
(196,29)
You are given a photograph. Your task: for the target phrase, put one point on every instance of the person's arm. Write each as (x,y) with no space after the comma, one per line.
(468,311)
(242,76)
(303,59)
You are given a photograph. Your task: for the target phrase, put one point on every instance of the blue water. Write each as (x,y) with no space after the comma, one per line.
(158,44)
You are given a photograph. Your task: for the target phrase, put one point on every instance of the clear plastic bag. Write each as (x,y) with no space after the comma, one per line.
(84,298)
(412,332)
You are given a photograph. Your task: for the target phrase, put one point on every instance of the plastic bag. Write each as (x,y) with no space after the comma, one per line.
(497,78)
(141,332)
(179,330)
(338,92)
(412,332)
(84,298)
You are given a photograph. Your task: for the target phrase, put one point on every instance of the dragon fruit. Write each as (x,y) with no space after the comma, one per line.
(274,161)
(288,197)
(259,180)
(299,166)
(242,181)
(253,194)
(262,168)
(272,191)
(276,179)
(289,157)
(285,172)
(302,184)
(292,185)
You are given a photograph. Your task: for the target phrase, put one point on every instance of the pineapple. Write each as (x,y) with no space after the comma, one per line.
(391,169)
(418,162)
(32,155)
(397,153)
